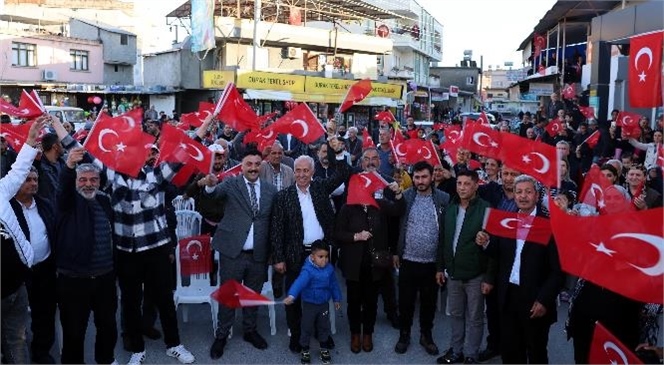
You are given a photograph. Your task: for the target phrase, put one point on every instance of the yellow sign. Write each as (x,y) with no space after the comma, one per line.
(325,86)
(270,81)
(217,79)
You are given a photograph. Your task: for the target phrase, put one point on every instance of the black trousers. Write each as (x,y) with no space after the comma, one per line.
(524,340)
(387,290)
(492,320)
(77,297)
(414,278)
(151,271)
(362,299)
(42,299)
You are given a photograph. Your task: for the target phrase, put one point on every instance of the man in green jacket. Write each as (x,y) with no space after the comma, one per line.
(465,266)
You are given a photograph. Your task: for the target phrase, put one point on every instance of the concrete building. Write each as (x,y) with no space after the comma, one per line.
(458,90)
(119,49)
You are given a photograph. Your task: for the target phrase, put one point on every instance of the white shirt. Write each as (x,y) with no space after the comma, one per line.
(312,228)
(515,274)
(9,186)
(249,243)
(38,236)
(289,137)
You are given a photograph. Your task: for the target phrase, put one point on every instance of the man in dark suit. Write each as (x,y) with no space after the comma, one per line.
(528,281)
(303,214)
(242,241)
(292,146)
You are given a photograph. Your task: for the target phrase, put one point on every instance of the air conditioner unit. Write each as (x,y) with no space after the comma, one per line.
(294,52)
(49,75)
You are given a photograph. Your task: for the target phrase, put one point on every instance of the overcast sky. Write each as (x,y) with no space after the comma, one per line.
(492,28)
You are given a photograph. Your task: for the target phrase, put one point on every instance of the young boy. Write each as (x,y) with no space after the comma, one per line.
(317,283)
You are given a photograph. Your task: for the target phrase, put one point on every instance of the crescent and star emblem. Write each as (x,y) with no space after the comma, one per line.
(608,345)
(506,222)
(194,243)
(367,181)
(643,51)
(100,138)
(397,149)
(654,241)
(546,164)
(199,155)
(478,135)
(305,127)
(428,155)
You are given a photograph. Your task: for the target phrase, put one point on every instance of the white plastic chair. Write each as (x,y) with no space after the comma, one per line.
(180,203)
(198,292)
(189,223)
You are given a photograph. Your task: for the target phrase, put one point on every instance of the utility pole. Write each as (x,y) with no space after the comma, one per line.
(481,77)
(257,18)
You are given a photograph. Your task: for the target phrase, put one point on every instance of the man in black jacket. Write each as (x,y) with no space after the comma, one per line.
(84,261)
(528,281)
(302,214)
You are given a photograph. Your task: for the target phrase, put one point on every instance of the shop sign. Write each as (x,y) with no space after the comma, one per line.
(217,79)
(540,89)
(325,86)
(270,81)
(454,91)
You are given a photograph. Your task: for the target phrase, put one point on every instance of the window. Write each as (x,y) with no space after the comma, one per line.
(116,68)
(470,80)
(79,60)
(123,39)
(24,54)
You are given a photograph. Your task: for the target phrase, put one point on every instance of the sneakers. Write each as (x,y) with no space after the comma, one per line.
(305,357)
(182,354)
(136,358)
(325,356)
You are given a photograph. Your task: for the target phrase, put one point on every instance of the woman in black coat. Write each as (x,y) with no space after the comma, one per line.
(359,229)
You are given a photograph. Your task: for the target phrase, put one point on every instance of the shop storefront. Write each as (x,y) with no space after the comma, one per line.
(268,92)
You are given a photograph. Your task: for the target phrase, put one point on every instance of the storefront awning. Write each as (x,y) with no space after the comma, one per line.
(314,98)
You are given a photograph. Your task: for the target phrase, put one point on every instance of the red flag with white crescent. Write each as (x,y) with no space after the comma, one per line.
(301,122)
(537,159)
(236,295)
(644,75)
(356,93)
(233,110)
(119,143)
(607,349)
(517,226)
(362,186)
(177,146)
(195,255)
(554,127)
(622,252)
(629,124)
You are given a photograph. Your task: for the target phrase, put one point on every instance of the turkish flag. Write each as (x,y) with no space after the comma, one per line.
(195,255)
(592,139)
(235,295)
(536,159)
(233,110)
(607,349)
(553,127)
(629,124)
(539,42)
(483,119)
(415,150)
(592,191)
(265,117)
(28,107)
(301,122)
(356,93)
(517,226)
(644,75)
(622,252)
(196,118)
(263,138)
(453,138)
(569,91)
(385,117)
(587,111)
(16,135)
(233,171)
(119,142)
(177,146)
(482,140)
(362,186)
(367,141)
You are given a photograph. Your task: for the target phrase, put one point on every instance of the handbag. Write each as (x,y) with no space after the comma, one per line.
(380,259)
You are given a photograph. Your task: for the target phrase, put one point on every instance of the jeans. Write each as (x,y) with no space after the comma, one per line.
(14,323)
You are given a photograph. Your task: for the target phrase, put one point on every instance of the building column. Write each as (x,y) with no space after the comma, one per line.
(600,74)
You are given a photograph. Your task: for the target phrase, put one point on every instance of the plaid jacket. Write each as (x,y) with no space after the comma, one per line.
(139,204)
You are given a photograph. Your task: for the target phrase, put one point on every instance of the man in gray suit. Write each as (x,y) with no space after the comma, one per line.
(242,241)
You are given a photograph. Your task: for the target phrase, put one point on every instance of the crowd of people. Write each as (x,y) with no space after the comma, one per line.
(74,230)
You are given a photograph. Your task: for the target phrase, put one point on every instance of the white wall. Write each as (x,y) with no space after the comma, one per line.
(165,103)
